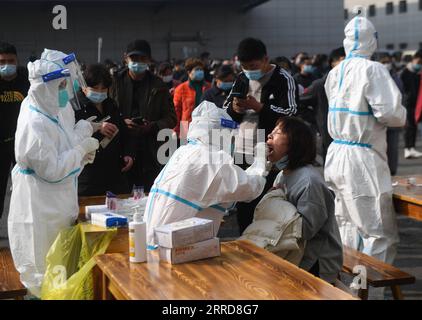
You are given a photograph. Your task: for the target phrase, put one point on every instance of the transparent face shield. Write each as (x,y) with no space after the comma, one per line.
(77,81)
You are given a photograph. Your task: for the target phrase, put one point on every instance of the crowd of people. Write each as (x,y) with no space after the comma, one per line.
(99,125)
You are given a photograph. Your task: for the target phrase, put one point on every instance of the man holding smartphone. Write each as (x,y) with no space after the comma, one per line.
(147,107)
(261,94)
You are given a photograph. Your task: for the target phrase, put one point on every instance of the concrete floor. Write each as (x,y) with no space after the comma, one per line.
(409,257)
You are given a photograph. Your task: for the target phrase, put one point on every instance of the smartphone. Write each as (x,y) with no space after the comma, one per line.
(104,119)
(138,120)
(238,95)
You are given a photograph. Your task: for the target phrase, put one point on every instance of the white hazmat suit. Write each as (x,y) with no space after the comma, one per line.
(364,100)
(200,178)
(44,180)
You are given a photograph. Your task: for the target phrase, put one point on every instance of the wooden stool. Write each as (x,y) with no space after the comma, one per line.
(379,274)
(10,284)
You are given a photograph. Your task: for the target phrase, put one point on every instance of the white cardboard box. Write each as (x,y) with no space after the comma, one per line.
(184,232)
(196,251)
(108,220)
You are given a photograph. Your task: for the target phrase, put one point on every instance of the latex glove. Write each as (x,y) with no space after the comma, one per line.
(261,166)
(88,145)
(95,125)
(89,158)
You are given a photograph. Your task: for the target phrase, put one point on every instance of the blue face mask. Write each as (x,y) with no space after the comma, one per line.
(417,67)
(96,97)
(63,98)
(137,67)
(253,74)
(7,70)
(225,86)
(282,163)
(198,75)
(308,69)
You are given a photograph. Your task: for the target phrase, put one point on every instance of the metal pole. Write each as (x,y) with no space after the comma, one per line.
(100,45)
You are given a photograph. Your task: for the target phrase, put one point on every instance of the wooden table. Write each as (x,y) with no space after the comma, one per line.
(243,271)
(407,198)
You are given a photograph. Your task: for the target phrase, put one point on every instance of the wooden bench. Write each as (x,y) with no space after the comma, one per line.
(379,274)
(10,284)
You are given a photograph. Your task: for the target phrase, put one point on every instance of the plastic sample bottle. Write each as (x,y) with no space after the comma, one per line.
(137,238)
(138,192)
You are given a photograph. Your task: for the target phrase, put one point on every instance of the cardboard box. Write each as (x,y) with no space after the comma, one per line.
(184,232)
(94,209)
(108,220)
(196,251)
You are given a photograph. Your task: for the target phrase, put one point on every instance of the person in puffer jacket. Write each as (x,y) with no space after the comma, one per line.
(277,227)
(292,148)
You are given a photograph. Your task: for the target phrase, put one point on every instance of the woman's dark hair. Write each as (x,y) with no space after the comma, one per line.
(302,142)
(224,71)
(96,74)
(336,55)
(163,67)
(251,49)
(192,63)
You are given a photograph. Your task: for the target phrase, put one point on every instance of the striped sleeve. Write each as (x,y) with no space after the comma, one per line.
(290,107)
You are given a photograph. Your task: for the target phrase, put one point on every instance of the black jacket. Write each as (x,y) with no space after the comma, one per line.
(105,173)
(316,97)
(280,96)
(157,108)
(411,81)
(304,80)
(12,94)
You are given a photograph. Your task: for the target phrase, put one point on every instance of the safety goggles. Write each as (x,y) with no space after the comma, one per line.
(61,73)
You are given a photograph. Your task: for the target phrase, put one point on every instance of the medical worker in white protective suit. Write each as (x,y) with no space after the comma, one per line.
(44,180)
(364,100)
(201,178)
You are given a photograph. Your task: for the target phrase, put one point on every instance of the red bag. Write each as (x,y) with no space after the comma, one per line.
(418,111)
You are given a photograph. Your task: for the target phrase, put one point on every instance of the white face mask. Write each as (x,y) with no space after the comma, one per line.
(167,79)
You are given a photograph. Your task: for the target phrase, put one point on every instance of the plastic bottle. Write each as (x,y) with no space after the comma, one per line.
(137,238)
(138,192)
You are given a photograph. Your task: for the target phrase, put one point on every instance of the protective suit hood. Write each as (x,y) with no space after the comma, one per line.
(66,61)
(361,38)
(206,117)
(44,95)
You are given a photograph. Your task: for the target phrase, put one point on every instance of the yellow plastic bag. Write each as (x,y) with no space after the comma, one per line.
(69,264)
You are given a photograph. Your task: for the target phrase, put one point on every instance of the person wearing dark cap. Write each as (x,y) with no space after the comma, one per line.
(224,79)
(146,106)
(14,86)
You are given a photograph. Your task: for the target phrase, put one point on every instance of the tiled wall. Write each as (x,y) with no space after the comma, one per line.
(286,26)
